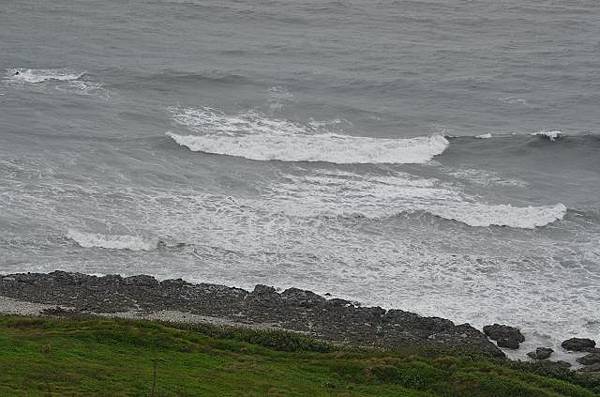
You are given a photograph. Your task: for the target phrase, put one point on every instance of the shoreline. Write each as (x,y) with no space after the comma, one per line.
(332,320)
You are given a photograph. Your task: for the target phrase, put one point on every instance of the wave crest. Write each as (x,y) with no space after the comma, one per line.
(256,137)
(375,197)
(483,215)
(41,75)
(109,241)
(550,135)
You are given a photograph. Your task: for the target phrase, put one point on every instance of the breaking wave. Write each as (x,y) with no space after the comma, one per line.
(108,241)
(348,194)
(257,137)
(476,214)
(41,75)
(550,135)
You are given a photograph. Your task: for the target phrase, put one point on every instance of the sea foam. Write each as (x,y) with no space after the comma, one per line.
(41,75)
(550,135)
(108,241)
(335,193)
(478,214)
(256,137)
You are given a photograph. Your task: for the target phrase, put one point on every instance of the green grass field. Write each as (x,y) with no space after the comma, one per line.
(105,357)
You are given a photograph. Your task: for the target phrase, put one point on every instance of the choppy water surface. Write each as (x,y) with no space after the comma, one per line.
(437,156)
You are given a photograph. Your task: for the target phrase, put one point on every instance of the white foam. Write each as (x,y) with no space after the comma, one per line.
(551,135)
(484,136)
(332,148)
(41,75)
(257,137)
(348,194)
(476,214)
(119,242)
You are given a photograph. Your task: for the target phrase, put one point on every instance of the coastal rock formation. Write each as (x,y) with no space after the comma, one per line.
(504,335)
(578,344)
(335,320)
(590,368)
(541,353)
(592,358)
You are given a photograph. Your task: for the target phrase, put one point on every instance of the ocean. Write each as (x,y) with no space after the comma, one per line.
(437,156)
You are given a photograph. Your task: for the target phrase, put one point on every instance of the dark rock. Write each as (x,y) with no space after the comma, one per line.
(590,368)
(589,359)
(509,343)
(299,297)
(339,302)
(504,335)
(591,350)
(335,320)
(541,353)
(173,283)
(59,311)
(578,344)
(141,281)
(564,364)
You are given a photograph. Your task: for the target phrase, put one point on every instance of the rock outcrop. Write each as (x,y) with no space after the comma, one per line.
(335,320)
(578,344)
(504,335)
(541,353)
(589,359)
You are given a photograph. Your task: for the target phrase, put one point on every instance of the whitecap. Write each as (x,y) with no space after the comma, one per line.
(348,194)
(332,148)
(256,137)
(42,75)
(483,215)
(110,241)
(550,135)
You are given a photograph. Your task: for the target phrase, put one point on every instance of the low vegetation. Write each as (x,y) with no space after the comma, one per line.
(82,356)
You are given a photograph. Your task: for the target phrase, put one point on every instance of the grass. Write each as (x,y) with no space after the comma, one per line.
(106,357)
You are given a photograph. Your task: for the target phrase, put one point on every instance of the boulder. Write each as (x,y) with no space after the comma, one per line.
(589,359)
(302,298)
(590,368)
(578,344)
(564,364)
(509,343)
(504,335)
(142,280)
(541,353)
(591,350)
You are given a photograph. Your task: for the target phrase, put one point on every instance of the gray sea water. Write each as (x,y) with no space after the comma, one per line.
(437,156)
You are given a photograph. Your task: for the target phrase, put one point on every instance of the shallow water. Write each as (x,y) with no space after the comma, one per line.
(388,152)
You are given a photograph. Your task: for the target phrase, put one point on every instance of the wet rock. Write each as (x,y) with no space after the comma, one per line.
(335,320)
(59,311)
(264,296)
(564,364)
(578,344)
(509,343)
(590,368)
(299,297)
(591,350)
(541,353)
(141,281)
(504,335)
(589,359)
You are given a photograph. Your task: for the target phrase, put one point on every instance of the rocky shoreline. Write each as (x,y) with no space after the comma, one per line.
(334,320)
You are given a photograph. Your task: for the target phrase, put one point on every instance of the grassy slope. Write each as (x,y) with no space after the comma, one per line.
(86,356)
